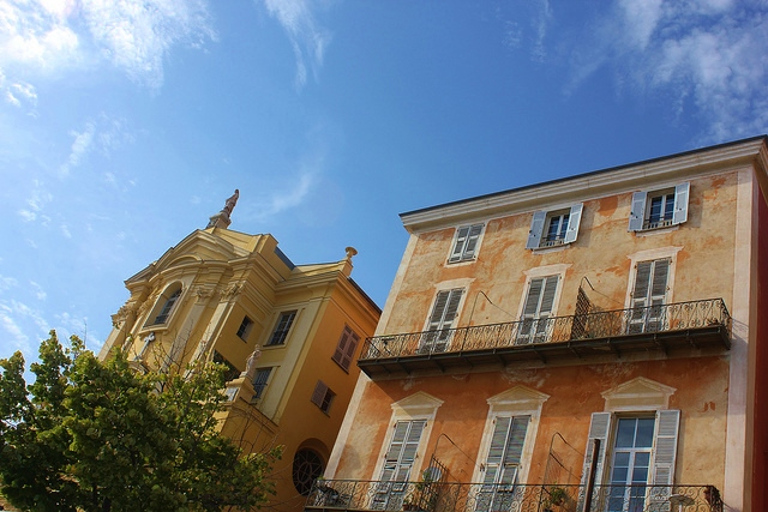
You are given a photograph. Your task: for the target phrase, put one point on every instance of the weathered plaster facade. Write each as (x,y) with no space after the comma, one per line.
(711,393)
(233,290)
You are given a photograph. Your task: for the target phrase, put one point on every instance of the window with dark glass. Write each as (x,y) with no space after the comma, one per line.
(283,327)
(659,208)
(260,381)
(165,311)
(231,373)
(550,228)
(245,328)
(308,466)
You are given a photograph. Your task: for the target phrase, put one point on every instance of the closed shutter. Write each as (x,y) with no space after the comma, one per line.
(574,219)
(599,428)
(402,451)
(650,293)
(458,247)
(345,350)
(682,192)
(538,307)
(537,228)
(441,321)
(471,245)
(637,215)
(665,447)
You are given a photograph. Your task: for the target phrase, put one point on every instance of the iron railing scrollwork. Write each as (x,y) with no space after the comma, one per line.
(329,495)
(678,316)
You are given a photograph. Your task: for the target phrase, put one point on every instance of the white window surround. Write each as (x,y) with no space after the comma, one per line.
(640,213)
(466,243)
(538,233)
(638,394)
(649,255)
(516,401)
(419,406)
(545,271)
(160,302)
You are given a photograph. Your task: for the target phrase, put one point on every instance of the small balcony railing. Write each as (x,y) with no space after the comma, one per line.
(354,495)
(679,316)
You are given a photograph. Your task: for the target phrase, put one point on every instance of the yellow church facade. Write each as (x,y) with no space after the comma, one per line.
(289,334)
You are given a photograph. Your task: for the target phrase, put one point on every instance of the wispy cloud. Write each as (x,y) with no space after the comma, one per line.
(80,148)
(309,41)
(14,315)
(287,199)
(525,25)
(708,56)
(36,203)
(47,36)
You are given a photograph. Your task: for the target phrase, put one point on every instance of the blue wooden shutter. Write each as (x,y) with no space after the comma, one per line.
(665,447)
(574,219)
(599,428)
(637,215)
(537,228)
(682,192)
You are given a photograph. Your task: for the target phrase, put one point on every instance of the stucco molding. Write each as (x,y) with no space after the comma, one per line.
(639,394)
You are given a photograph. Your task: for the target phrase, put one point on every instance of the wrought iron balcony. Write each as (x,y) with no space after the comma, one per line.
(354,495)
(669,328)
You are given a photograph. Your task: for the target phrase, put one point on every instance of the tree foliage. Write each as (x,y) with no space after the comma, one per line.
(99,436)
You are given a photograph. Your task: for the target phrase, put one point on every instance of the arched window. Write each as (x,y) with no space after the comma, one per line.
(308,466)
(164,305)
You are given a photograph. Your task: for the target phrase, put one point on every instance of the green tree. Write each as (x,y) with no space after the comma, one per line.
(97,436)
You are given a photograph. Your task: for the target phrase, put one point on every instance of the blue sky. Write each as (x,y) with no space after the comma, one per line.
(125,124)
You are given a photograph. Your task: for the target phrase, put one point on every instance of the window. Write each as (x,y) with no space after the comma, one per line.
(538,306)
(231,373)
(282,328)
(465,243)
(260,381)
(659,208)
(552,228)
(649,296)
(641,451)
(502,463)
(345,350)
(398,463)
(308,466)
(245,328)
(171,295)
(444,313)
(323,396)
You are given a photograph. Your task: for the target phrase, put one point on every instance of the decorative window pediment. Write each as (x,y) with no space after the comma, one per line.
(638,394)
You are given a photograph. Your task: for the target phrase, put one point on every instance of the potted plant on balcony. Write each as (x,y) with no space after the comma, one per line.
(556,497)
(423,497)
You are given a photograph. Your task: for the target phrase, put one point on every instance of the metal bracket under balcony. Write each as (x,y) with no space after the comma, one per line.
(668,329)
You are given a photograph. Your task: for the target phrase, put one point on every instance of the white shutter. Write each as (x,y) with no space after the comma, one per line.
(471,245)
(599,428)
(574,219)
(403,448)
(537,228)
(458,246)
(637,216)
(548,297)
(680,213)
(665,447)
(531,307)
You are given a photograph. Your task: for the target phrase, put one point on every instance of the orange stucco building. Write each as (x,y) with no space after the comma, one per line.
(591,343)
(288,333)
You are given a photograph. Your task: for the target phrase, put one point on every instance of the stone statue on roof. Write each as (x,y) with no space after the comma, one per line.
(221,219)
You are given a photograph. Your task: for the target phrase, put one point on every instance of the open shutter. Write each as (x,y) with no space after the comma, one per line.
(665,447)
(319,394)
(537,228)
(599,428)
(471,245)
(574,219)
(458,247)
(682,191)
(637,216)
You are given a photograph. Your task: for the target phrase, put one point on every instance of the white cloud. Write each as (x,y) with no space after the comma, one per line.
(14,316)
(708,56)
(40,294)
(309,41)
(80,148)
(281,201)
(42,37)
(6,283)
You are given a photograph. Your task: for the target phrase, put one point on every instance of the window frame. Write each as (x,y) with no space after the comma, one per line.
(466,243)
(438,331)
(280,333)
(640,212)
(541,222)
(165,306)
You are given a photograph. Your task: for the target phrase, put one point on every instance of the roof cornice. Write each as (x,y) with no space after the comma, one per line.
(593,184)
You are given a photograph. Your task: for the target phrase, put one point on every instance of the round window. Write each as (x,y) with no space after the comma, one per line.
(307,467)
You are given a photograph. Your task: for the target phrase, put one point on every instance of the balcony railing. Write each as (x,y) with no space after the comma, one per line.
(352,495)
(602,324)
